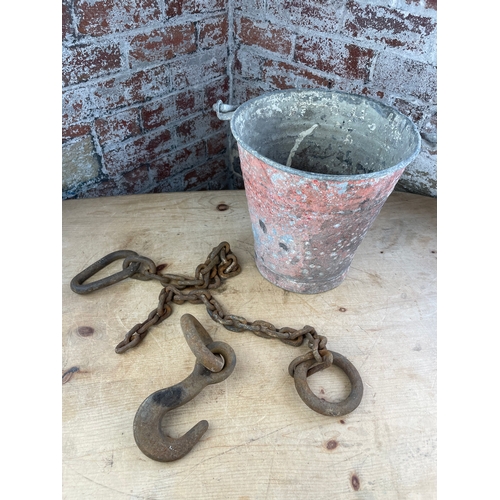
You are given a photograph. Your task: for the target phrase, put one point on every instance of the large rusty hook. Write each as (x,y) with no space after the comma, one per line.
(148,433)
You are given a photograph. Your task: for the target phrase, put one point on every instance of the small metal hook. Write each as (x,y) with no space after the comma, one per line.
(224,111)
(302,368)
(148,433)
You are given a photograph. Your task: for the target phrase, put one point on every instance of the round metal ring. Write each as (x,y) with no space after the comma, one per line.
(304,369)
(229,356)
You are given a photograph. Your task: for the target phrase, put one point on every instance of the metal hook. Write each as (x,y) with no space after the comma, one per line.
(148,433)
(224,111)
(306,367)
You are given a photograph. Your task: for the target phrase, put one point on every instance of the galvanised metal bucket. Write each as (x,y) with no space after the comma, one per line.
(317,165)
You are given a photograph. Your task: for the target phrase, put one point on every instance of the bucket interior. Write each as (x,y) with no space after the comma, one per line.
(325,132)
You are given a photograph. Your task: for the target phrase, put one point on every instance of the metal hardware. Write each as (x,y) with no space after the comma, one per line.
(210,368)
(133,267)
(224,111)
(306,367)
(148,433)
(333,159)
(198,338)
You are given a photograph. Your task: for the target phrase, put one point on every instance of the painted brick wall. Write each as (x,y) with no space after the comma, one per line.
(140,78)
(385,49)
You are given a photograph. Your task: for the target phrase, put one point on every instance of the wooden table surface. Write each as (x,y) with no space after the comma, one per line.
(263,441)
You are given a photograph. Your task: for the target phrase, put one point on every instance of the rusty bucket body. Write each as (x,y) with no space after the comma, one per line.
(317,165)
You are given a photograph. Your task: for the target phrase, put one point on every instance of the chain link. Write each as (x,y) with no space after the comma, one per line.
(220,264)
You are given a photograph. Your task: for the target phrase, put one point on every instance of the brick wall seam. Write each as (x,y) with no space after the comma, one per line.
(265,54)
(216,55)
(342,37)
(113,111)
(68,10)
(161,5)
(231,45)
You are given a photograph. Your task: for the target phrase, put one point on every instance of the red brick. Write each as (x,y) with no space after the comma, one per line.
(219,89)
(67,21)
(212,32)
(415,112)
(83,62)
(118,127)
(199,175)
(127,89)
(74,131)
(217,183)
(188,102)
(263,34)
(357,87)
(245,90)
(198,68)
(180,7)
(101,17)
(178,161)
(198,127)
(334,56)
(217,144)
(136,180)
(283,75)
(106,188)
(162,44)
(406,77)
(170,108)
(128,155)
(247,64)
(312,14)
(76,106)
(429,4)
(250,5)
(392,27)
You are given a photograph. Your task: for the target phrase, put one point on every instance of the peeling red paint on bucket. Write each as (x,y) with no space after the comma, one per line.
(318,166)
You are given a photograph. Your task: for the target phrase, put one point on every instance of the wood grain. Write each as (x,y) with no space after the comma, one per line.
(263,441)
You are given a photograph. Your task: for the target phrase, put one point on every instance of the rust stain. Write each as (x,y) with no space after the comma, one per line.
(310,212)
(160,267)
(222,207)
(299,255)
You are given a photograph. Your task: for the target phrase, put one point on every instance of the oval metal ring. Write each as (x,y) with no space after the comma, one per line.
(198,339)
(145,266)
(349,404)
(77,282)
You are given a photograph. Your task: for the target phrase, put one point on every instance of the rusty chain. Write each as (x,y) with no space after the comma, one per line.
(220,264)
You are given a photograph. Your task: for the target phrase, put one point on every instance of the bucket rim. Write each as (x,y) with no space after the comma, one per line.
(318,176)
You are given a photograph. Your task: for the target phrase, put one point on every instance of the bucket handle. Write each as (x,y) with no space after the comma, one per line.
(224,111)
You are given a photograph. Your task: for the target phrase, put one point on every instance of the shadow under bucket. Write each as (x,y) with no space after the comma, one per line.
(318,165)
